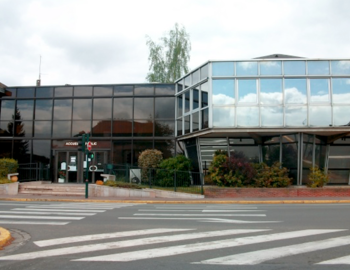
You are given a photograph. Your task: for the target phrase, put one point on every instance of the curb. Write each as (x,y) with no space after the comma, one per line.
(5,236)
(180,202)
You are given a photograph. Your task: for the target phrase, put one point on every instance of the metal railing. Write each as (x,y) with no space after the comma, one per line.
(172,180)
(33,172)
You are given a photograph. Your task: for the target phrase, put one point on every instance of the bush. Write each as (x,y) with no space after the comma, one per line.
(317,178)
(166,170)
(112,183)
(273,176)
(7,165)
(149,158)
(4,181)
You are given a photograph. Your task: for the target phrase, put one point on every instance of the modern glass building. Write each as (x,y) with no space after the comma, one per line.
(273,108)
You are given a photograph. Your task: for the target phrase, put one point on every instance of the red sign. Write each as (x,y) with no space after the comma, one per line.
(89,146)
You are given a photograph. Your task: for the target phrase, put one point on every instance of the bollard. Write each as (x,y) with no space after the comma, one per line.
(86,188)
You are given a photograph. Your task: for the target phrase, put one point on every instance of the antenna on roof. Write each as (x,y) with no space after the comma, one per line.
(38,82)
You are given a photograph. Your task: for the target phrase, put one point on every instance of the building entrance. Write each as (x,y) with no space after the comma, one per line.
(70,166)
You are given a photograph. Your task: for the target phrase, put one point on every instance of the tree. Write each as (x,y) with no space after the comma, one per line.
(169,59)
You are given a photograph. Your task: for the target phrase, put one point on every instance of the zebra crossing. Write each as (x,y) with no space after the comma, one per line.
(52,214)
(156,243)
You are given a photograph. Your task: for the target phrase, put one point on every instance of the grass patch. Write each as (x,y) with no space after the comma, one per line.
(5,181)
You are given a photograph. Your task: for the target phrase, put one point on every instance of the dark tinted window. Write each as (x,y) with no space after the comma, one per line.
(41,151)
(42,129)
(205,119)
(101,128)
(7,109)
(164,89)
(164,128)
(143,128)
(13,92)
(122,152)
(80,127)
(61,129)
(165,107)
(43,109)
(63,109)
(123,90)
(44,92)
(25,109)
(82,108)
(122,108)
(23,128)
(103,90)
(25,92)
(143,108)
(63,91)
(144,90)
(102,108)
(83,91)
(122,128)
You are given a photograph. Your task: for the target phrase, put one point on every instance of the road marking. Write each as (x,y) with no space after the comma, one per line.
(32,222)
(199,210)
(256,257)
(340,260)
(201,220)
(59,210)
(47,213)
(189,248)
(122,244)
(74,207)
(40,217)
(92,237)
(203,215)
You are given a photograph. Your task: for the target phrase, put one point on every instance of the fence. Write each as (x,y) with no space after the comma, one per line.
(172,180)
(33,172)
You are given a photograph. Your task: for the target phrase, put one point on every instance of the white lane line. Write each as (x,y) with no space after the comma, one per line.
(182,249)
(208,219)
(74,207)
(47,213)
(40,217)
(256,257)
(203,215)
(340,260)
(247,210)
(93,237)
(32,222)
(122,244)
(59,210)
(199,210)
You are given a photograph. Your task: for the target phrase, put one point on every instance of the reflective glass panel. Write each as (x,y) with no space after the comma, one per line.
(318,67)
(7,109)
(271,116)
(122,151)
(179,127)
(164,128)
(165,89)
(296,116)
(123,90)
(23,128)
(179,106)
(42,129)
(336,157)
(295,91)
(167,147)
(12,91)
(270,91)
(187,81)
(271,154)
(122,128)
(195,121)
(41,151)
(80,127)
(319,90)
(180,86)
(290,155)
(204,72)
(341,115)
(64,91)
(187,101)
(272,140)
(246,68)
(223,92)
(271,68)
(204,99)
(294,67)
(83,91)
(205,87)
(241,141)
(144,90)
(341,90)
(25,92)
(44,92)
(205,118)
(195,77)
(247,116)
(140,146)
(61,129)
(122,108)
(22,150)
(320,155)
(6,129)
(223,116)
(247,91)
(103,91)
(320,116)
(25,109)
(340,67)
(290,138)
(101,128)
(62,109)
(250,152)
(143,108)
(187,124)
(195,99)
(43,109)
(223,69)
(82,109)
(165,107)
(102,108)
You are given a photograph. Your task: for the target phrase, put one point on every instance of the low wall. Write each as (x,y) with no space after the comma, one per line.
(291,192)
(9,189)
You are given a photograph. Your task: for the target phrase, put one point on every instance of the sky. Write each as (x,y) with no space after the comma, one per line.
(104,41)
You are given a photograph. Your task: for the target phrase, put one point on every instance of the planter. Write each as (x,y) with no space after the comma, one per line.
(60,180)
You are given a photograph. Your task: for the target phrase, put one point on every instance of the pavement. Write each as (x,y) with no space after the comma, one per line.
(5,235)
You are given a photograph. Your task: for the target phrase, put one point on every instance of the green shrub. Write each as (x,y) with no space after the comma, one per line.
(149,158)
(166,170)
(4,181)
(7,165)
(112,183)
(274,176)
(317,178)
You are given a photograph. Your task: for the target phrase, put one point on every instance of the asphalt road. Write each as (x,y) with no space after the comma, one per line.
(105,236)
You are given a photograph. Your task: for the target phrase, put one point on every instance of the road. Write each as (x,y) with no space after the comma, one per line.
(106,236)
